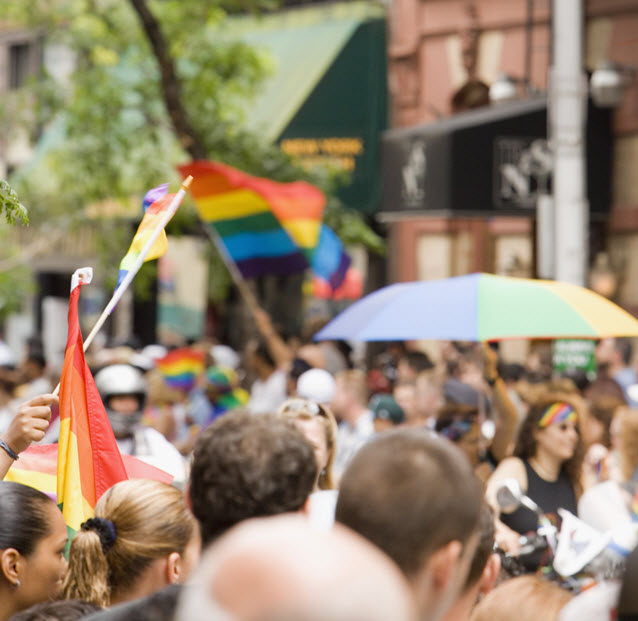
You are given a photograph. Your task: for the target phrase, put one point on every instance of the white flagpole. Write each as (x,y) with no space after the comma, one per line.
(119,292)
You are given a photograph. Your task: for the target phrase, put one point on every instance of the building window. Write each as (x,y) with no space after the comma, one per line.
(19,64)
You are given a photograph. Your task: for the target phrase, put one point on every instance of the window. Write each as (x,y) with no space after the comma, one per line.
(19,64)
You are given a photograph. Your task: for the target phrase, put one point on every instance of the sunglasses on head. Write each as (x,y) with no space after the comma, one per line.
(305,406)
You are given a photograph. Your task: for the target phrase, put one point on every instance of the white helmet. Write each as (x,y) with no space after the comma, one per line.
(122,379)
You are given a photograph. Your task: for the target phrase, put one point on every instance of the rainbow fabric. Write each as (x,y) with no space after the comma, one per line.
(155,203)
(223,389)
(557,413)
(265,226)
(181,367)
(38,467)
(330,261)
(89,461)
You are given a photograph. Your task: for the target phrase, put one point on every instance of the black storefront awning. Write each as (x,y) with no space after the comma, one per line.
(493,160)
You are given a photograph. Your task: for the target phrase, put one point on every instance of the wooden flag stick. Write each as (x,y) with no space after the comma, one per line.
(230,264)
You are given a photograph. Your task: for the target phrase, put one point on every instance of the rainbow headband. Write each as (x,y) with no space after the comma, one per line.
(557,413)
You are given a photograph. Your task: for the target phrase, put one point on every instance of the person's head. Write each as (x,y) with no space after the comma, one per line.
(596,426)
(141,539)
(415,496)
(248,466)
(318,425)
(351,393)
(526,598)
(34,365)
(484,570)
(411,363)
(259,360)
(614,352)
(626,440)
(405,394)
(429,393)
(460,424)
(33,538)
(123,390)
(551,427)
(296,368)
(60,610)
(281,568)
(387,412)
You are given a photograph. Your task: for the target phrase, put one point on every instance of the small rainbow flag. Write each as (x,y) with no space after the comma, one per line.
(266,227)
(89,461)
(155,203)
(181,367)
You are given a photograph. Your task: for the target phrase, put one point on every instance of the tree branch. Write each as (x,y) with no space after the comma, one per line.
(171,87)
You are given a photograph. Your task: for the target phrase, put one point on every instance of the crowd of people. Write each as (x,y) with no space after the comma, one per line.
(310,486)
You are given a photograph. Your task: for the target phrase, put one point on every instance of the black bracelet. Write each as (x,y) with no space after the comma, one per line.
(8,450)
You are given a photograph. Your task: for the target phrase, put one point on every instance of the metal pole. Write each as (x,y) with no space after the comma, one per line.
(568,115)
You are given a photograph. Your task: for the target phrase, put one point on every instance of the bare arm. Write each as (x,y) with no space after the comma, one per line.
(503,442)
(509,468)
(282,354)
(28,425)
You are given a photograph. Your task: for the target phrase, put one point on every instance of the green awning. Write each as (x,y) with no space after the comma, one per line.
(303,44)
(326,99)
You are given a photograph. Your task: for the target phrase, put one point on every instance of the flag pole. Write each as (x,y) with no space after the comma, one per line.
(119,292)
(230,264)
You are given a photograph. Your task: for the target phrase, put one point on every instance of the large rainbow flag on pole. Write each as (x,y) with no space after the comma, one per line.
(266,227)
(89,461)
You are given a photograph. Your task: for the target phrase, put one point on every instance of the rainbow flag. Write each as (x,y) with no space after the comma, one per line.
(266,227)
(38,467)
(155,203)
(330,261)
(89,461)
(181,367)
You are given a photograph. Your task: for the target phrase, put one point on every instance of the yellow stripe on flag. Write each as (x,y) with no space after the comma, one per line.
(75,508)
(305,232)
(230,205)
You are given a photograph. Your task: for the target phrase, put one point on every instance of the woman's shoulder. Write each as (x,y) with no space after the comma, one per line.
(511,467)
(508,468)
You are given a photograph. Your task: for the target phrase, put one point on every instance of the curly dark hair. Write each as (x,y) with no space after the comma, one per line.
(526,442)
(247,465)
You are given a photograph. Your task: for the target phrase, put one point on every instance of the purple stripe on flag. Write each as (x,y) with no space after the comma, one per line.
(259,266)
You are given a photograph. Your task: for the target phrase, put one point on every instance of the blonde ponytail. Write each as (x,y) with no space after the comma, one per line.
(87,576)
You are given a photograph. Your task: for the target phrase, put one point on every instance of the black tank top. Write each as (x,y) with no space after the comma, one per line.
(548,495)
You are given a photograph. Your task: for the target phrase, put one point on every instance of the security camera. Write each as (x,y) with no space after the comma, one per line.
(608,84)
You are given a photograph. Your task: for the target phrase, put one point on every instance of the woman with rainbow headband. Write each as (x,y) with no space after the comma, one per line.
(547,464)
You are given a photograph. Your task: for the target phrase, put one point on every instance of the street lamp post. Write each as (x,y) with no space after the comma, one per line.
(567,118)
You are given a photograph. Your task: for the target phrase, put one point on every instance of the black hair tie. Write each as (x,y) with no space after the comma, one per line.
(105,530)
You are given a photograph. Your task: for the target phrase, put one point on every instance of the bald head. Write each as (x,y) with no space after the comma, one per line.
(283,569)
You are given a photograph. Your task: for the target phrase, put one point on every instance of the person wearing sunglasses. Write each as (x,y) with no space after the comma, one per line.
(547,464)
(318,425)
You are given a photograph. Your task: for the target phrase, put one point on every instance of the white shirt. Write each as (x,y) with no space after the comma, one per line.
(267,395)
(350,439)
(152,447)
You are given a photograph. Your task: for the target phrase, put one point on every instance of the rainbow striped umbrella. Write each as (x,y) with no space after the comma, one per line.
(480,307)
